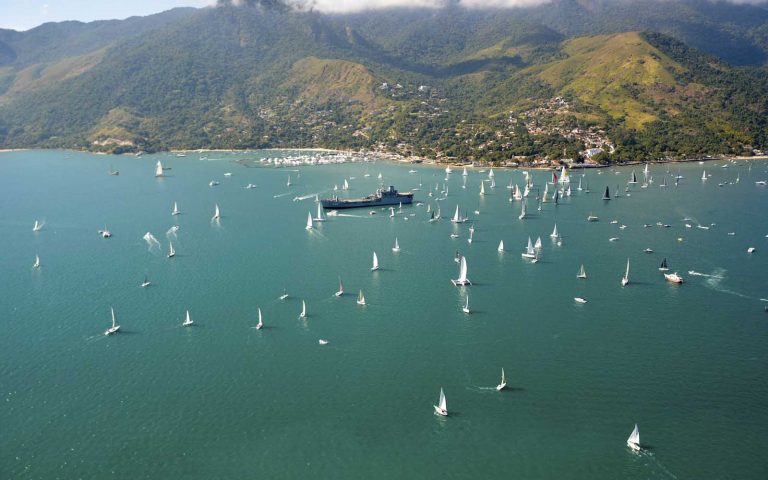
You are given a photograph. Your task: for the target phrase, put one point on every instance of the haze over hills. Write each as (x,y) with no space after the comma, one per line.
(448,82)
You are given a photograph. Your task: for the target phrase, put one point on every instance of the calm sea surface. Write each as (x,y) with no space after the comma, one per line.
(687,363)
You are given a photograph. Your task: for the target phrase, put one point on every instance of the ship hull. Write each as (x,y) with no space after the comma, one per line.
(385,200)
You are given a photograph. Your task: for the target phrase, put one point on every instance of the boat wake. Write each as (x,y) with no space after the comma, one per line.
(171,233)
(351,216)
(152,243)
(304,197)
(279,195)
(714,281)
(657,468)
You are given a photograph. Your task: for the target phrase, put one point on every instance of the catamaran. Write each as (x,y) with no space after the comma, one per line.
(146,282)
(462,280)
(159,169)
(442,406)
(303,313)
(633,441)
(340,291)
(529,252)
(396,248)
(375,265)
(625,278)
(501,246)
(216,213)
(115,327)
(360,298)
(260,325)
(37,227)
(582,273)
(175,210)
(309,221)
(171,251)
(187,321)
(503,383)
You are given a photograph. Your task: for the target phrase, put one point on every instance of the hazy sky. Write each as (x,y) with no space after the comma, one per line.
(26,14)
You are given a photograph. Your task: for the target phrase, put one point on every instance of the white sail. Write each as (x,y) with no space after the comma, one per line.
(309,221)
(187,321)
(114,321)
(465,309)
(340,291)
(346,185)
(462,280)
(522,211)
(503,383)
(115,327)
(216,213)
(37,227)
(582,273)
(579,187)
(464,173)
(537,245)
(360,298)
(530,252)
(175,210)
(159,169)
(704,175)
(455,218)
(554,232)
(482,187)
(442,406)
(320,217)
(501,246)
(634,439)
(375,262)
(625,278)
(396,248)
(303,313)
(171,251)
(261,323)
(37,262)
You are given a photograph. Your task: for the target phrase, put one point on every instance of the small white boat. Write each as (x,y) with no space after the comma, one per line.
(592,218)
(115,327)
(216,213)
(213,183)
(375,265)
(259,325)
(442,406)
(175,210)
(171,251)
(309,221)
(613,239)
(159,169)
(360,298)
(673,277)
(751,250)
(37,262)
(582,273)
(501,386)
(37,227)
(465,308)
(625,278)
(462,280)
(105,233)
(303,313)
(529,252)
(340,291)
(187,321)
(501,246)
(648,250)
(633,441)
(396,248)
(284,295)
(579,300)
(146,282)
(322,341)
(482,187)
(554,233)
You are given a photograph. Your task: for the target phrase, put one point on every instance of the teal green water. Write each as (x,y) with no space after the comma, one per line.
(686,363)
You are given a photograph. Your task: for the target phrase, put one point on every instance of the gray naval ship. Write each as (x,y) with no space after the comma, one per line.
(380,198)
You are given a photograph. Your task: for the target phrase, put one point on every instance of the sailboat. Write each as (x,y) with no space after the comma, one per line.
(633,178)
(309,221)
(115,327)
(442,406)
(159,169)
(37,227)
(471,234)
(607,194)
(663,267)
(503,383)
(113,172)
(554,232)
(37,262)
(171,251)
(216,213)
(529,252)
(522,211)
(340,291)
(465,308)
(146,282)
(579,187)
(187,321)
(457,218)
(260,325)
(704,175)
(288,184)
(320,217)
(625,278)
(482,187)
(464,173)
(396,248)
(582,273)
(303,313)
(462,280)
(501,246)
(375,265)
(346,185)
(633,441)
(284,295)
(360,298)
(175,210)
(537,245)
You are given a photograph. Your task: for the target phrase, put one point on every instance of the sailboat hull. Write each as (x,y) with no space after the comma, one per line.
(440,411)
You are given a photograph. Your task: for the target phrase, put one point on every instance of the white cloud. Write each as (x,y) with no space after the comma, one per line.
(346,6)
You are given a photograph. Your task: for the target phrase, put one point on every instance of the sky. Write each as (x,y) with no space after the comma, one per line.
(26,14)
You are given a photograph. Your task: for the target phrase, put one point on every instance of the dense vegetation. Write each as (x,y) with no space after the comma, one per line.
(460,83)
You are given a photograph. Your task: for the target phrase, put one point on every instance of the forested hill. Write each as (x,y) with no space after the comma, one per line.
(444,83)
